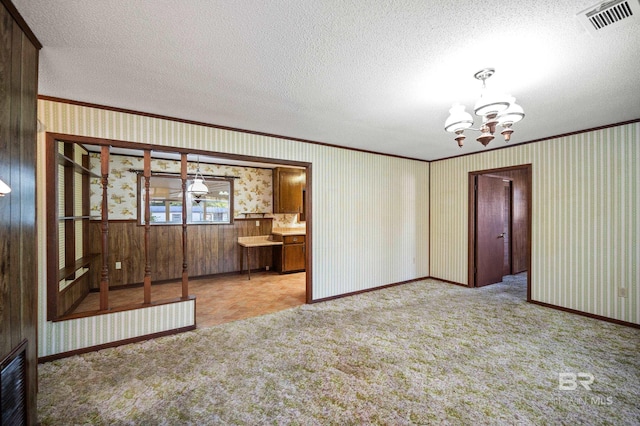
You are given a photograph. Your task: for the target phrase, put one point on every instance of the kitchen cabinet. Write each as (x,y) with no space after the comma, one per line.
(291,256)
(288,191)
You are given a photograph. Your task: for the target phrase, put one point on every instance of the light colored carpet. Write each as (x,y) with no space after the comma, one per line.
(419,353)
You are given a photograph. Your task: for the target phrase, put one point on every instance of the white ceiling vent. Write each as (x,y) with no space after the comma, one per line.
(606,15)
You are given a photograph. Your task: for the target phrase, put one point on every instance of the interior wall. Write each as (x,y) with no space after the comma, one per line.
(211,249)
(585,201)
(370,212)
(18,89)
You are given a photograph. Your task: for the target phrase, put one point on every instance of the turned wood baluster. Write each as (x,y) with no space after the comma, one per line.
(104,275)
(147,227)
(185,275)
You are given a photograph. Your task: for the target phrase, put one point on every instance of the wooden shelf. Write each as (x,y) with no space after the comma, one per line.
(246,215)
(66,161)
(64,273)
(79,217)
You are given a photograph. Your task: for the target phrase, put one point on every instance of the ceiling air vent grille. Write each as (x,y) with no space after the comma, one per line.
(608,14)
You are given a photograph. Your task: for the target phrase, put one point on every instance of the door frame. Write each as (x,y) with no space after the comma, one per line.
(307,166)
(471,217)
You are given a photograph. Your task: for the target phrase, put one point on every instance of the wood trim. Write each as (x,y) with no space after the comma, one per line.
(585,314)
(147,227)
(429,219)
(164,148)
(185,273)
(21,347)
(308,209)
(354,293)
(86,206)
(197,123)
(235,219)
(104,274)
(69,208)
(471,230)
(22,23)
(122,308)
(173,280)
(471,219)
(217,126)
(116,220)
(53,261)
(139,339)
(529,229)
(563,135)
(449,282)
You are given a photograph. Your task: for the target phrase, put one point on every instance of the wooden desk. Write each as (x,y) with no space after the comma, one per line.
(249,242)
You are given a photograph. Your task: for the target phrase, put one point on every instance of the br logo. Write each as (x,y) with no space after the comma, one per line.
(569,381)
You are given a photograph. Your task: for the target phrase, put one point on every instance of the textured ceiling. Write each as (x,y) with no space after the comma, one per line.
(372,75)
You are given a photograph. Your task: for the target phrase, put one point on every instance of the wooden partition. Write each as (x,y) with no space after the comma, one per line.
(211,249)
(18,252)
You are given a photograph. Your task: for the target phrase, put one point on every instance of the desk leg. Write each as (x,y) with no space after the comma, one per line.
(248,262)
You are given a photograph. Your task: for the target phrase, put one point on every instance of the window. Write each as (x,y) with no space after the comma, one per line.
(165,201)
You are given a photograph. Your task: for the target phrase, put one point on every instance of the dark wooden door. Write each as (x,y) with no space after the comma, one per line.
(490,222)
(507,228)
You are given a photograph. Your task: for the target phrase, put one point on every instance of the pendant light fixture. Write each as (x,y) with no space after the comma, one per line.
(493,107)
(4,188)
(198,188)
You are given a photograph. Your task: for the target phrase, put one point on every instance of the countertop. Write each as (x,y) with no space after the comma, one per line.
(259,241)
(289,231)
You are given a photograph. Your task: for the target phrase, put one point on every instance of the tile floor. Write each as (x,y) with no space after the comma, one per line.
(221,299)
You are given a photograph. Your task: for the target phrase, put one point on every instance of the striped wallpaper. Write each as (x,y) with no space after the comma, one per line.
(585,227)
(64,336)
(370,213)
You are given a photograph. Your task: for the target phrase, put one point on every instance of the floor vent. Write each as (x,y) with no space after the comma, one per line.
(13,387)
(606,15)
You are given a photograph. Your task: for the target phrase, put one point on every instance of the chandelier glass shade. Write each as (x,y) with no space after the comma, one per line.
(198,188)
(494,108)
(4,189)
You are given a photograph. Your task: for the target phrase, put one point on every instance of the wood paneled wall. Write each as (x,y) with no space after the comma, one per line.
(211,249)
(18,262)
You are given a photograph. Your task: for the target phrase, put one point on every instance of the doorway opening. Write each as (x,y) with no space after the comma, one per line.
(500,225)
(125,230)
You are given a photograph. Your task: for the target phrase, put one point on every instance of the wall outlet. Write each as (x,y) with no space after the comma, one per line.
(257,223)
(118,265)
(267,267)
(622,292)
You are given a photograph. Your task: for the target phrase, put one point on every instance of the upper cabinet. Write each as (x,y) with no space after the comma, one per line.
(289,191)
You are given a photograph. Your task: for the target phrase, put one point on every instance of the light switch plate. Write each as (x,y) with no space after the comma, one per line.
(622,292)
(257,223)
(118,265)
